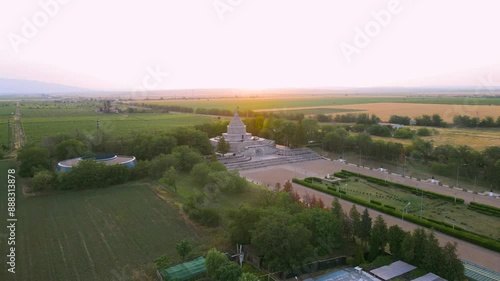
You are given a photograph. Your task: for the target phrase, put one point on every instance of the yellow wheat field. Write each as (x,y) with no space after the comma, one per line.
(447,111)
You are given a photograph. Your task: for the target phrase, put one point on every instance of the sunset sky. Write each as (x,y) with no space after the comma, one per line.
(116,44)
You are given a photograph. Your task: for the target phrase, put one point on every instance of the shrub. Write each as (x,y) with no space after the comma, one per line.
(43,180)
(209,217)
(404,133)
(423,132)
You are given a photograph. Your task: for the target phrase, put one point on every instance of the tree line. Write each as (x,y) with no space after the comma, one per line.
(165,108)
(434,120)
(443,160)
(288,232)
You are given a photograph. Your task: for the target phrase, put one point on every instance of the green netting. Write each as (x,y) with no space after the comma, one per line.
(185,271)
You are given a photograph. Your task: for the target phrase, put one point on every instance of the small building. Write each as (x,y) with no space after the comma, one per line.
(108,159)
(393,125)
(190,270)
(395,269)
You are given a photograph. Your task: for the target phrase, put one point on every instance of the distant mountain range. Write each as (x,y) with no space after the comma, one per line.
(32,87)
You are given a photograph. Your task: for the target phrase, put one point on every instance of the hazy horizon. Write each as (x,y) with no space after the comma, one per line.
(229,44)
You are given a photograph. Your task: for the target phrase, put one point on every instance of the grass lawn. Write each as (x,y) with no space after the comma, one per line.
(186,187)
(432,208)
(95,234)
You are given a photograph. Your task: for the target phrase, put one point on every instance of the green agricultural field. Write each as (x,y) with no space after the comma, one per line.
(95,234)
(291,102)
(436,209)
(41,109)
(106,234)
(6,109)
(120,124)
(4,133)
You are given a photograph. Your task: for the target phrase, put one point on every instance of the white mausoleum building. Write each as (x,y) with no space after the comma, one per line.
(242,142)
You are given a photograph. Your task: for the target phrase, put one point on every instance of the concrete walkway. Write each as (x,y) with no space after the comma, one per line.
(319,168)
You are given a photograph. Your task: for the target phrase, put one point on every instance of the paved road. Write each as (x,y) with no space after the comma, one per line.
(271,175)
(467,196)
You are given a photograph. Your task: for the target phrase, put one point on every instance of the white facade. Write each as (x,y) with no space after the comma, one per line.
(242,142)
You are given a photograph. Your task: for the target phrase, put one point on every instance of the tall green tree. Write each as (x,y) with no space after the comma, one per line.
(214,260)
(419,240)
(184,248)
(223,146)
(187,157)
(229,271)
(32,159)
(365,226)
(310,127)
(451,268)
(356,221)
(395,237)
(71,148)
(336,140)
(160,164)
(241,224)
(280,228)
(200,172)
(359,256)
(348,227)
(338,212)
(432,253)
(378,238)
(408,248)
(325,228)
(170,177)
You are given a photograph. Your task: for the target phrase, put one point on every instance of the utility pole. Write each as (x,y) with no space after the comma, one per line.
(9,133)
(458,170)
(421,203)
(404,166)
(403,213)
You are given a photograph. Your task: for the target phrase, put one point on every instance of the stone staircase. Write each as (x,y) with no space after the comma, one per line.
(287,157)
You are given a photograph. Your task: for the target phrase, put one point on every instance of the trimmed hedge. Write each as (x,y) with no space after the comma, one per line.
(375,202)
(486,207)
(441,227)
(414,190)
(484,211)
(340,175)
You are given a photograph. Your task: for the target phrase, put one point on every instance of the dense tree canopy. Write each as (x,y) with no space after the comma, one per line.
(33,158)
(280,228)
